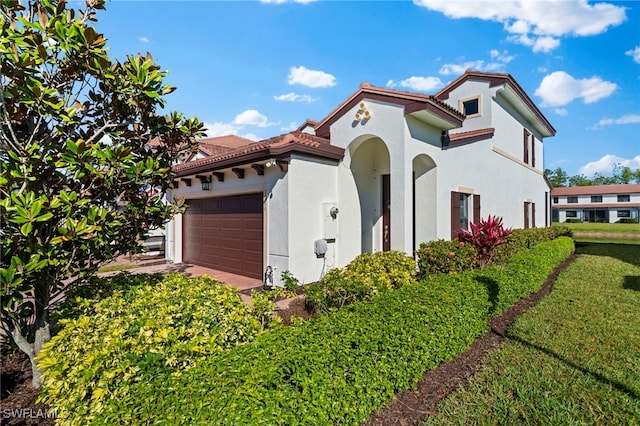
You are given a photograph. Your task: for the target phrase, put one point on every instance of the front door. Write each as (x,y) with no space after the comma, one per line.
(386,212)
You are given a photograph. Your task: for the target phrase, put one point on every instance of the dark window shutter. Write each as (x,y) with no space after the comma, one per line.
(533,215)
(526,215)
(455,214)
(546,209)
(476,208)
(533,151)
(525,146)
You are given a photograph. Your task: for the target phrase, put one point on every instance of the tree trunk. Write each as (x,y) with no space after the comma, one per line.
(42,336)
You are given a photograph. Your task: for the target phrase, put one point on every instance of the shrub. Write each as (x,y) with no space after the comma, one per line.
(291,283)
(628,220)
(366,276)
(523,273)
(138,334)
(485,236)
(338,368)
(445,257)
(80,300)
(522,239)
(573,220)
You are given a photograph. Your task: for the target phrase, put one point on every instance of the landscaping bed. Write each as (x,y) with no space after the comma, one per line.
(337,368)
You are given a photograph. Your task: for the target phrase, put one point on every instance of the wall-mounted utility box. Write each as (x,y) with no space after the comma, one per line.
(330,215)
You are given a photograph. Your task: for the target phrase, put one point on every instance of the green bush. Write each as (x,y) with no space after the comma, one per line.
(336,369)
(139,334)
(445,257)
(628,220)
(366,276)
(80,300)
(523,273)
(522,239)
(339,368)
(573,220)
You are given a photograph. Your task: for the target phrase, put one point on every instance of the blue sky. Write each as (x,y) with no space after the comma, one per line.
(259,69)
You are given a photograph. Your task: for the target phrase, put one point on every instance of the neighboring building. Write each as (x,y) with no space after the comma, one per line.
(385,170)
(598,203)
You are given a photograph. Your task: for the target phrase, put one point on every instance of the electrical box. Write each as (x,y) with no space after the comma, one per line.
(330,215)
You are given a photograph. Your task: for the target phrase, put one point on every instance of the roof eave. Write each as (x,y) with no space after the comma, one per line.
(328,152)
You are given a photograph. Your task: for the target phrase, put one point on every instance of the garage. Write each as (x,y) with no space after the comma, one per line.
(225,233)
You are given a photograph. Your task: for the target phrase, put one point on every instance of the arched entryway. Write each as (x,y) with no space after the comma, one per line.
(370,167)
(425,224)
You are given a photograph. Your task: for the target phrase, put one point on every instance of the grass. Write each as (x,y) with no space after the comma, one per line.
(572,359)
(123,267)
(603,227)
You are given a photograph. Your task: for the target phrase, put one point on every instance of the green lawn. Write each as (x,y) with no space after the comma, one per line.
(572,359)
(603,227)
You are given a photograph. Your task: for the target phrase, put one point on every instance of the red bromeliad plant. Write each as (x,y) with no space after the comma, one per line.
(485,236)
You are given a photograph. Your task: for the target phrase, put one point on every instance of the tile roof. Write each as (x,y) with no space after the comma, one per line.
(417,101)
(496,79)
(277,146)
(221,144)
(625,188)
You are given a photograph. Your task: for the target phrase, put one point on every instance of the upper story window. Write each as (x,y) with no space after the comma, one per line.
(624,198)
(555,200)
(596,198)
(528,148)
(471,107)
(572,200)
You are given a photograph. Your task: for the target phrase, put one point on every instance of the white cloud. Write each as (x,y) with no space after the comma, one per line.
(294,97)
(606,164)
(144,39)
(561,111)
(290,128)
(503,56)
(559,88)
(252,117)
(625,119)
(634,53)
(421,84)
(310,78)
(537,24)
(498,63)
(219,128)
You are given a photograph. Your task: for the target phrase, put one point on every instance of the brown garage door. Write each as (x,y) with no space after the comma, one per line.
(225,233)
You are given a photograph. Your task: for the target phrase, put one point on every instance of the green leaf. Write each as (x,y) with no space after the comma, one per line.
(26,229)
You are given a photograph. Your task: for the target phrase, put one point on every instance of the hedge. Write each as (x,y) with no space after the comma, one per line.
(366,276)
(336,369)
(139,334)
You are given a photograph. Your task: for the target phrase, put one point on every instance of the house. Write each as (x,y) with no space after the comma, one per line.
(385,170)
(598,203)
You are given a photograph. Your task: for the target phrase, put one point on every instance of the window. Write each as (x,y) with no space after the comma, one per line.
(461,213)
(596,198)
(529,214)
(555,200)
(624,213)
(624,198)
(572,200)
(471,107)
(572,213)
(464,211)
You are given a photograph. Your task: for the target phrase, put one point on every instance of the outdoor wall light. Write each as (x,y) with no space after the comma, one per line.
(205,181)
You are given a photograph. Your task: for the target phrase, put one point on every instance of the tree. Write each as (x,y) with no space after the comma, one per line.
(75,155)
(557,177)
